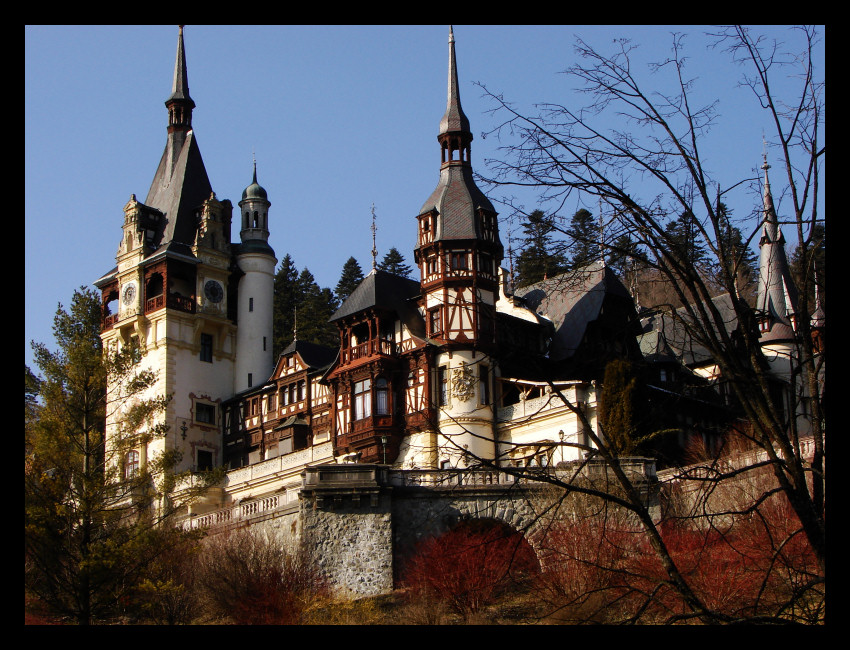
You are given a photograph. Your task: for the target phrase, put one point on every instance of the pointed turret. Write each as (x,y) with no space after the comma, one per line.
(256,261)
(180,104)
(180,185)
(777,295)
(454,120)
(457,210)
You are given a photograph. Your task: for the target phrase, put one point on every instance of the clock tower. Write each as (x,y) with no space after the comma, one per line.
(170,290)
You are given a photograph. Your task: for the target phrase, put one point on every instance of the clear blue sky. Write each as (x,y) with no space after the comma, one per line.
(339,117)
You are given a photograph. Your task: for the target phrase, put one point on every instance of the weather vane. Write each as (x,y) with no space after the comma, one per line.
(374,247)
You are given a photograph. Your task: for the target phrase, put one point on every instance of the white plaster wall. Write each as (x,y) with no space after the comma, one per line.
(253,326)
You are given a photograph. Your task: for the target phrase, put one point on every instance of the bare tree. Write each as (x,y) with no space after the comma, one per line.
(649,170)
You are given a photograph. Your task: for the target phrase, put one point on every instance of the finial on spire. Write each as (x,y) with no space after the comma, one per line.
(374,247)
(295,325)
(454,118)
(254,156)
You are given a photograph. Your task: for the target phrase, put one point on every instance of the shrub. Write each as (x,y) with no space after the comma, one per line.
(468,567)
(250,579)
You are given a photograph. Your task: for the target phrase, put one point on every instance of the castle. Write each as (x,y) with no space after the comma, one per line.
(430,374)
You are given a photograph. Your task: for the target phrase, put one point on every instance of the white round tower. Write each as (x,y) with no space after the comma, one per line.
(256,261)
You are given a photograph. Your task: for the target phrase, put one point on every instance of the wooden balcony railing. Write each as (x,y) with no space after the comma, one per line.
(368,349)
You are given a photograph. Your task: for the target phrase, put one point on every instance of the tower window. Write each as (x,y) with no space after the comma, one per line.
(458,261)
(207,348)
(250,380)
(250,304)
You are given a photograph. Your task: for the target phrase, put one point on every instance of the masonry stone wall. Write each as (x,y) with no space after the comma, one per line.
(360,523)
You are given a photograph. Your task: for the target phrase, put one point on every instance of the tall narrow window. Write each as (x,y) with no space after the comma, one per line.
(207,348)
(250,304)
(362,399)
(435,321)
(442,386)
(382,401)
(250,380)
(485,385)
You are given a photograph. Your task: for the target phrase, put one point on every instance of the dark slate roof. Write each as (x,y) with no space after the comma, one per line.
(654,347)
(675,336)
(314,355)
(179,188)
(571,301)
(457,200)
(383,290)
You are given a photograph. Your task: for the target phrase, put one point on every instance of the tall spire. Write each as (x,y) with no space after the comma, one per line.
(454,119)
(179,103)
(180,184)
(777,295)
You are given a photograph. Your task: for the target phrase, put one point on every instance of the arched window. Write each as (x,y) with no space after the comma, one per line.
(382,400)
(131,464)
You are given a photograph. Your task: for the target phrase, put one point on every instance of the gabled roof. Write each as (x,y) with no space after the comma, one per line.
(571,301)
(385,291)
(314,356)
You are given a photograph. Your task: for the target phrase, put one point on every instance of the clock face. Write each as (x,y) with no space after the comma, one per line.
(129,294)
(213,291)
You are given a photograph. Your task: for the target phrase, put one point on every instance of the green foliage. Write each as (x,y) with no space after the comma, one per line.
(617,406)
(85,541)
(393,262)
(301,306)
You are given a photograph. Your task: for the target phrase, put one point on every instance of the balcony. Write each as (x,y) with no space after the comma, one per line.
(367,349)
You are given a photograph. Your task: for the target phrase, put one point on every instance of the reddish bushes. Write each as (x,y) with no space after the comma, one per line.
(468,567)
(758,566)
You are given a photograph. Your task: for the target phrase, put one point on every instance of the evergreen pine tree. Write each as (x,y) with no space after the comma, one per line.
(617,407)
(584,236)
(538,258)
(86,554)
(740,257)
(316,305)
(806,271)
(351,276)
(286,297)
(683,240)
(393,262)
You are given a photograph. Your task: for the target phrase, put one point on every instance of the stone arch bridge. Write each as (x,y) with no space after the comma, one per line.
(360,522)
